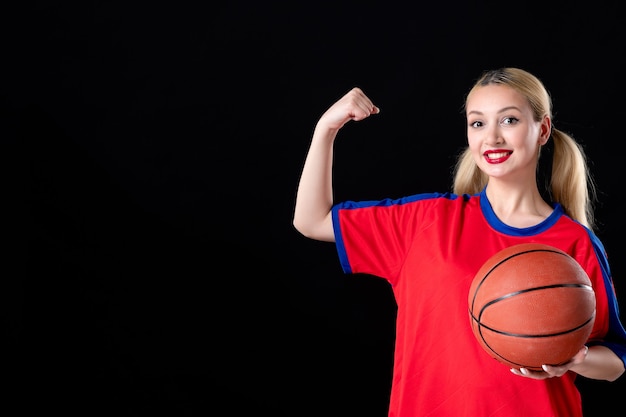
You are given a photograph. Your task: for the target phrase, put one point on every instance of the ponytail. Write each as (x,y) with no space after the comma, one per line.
(571,184)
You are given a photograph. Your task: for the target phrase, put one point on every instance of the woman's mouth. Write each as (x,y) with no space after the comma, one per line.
(497,157)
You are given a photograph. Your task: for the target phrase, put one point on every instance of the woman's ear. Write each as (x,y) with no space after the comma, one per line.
(545,130)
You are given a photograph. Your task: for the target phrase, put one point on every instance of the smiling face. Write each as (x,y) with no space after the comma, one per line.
(502,134)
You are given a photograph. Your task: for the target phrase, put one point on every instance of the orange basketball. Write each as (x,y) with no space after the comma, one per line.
(531,304)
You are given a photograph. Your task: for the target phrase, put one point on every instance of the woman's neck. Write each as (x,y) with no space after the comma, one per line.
(517,206)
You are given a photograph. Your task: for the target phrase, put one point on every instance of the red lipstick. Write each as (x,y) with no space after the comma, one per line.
(497,156)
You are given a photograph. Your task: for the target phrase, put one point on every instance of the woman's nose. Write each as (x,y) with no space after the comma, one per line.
(494,137)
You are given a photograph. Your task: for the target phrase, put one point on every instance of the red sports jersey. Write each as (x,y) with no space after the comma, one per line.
(429,248)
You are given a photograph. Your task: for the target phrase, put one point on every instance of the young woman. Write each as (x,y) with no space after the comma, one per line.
(430,246)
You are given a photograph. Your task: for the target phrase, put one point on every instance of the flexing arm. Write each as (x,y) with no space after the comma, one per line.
(314,199)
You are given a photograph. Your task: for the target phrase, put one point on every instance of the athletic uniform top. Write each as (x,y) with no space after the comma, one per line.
(429,248)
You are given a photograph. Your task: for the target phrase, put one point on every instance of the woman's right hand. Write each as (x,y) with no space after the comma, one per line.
(355,105)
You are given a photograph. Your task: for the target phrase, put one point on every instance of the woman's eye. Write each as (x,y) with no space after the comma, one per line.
(509,120)
(476,124)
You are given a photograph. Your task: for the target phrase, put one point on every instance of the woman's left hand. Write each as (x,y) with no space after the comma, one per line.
(550,371)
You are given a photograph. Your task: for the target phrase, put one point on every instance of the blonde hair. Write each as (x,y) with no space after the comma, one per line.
(570,183)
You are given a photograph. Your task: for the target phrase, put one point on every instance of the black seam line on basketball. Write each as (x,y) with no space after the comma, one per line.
(506,259)
(530,336)
(509,295)
(544,287)
(504,297)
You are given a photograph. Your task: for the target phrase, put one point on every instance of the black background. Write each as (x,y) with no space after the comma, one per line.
(150,158)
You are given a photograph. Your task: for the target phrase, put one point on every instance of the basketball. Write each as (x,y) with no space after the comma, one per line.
(531,304)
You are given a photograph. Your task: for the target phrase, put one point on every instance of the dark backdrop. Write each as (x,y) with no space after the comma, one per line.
(150,157)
